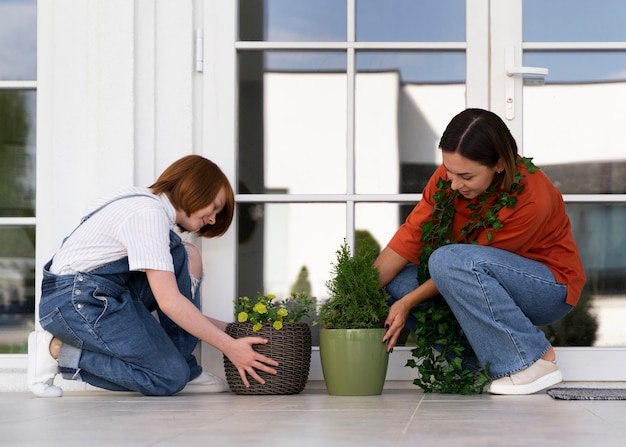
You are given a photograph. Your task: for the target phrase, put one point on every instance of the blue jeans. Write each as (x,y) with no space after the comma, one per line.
(498,299)
(110,337)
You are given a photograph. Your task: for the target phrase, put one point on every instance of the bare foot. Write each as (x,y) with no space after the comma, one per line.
(550,356)
(55,345)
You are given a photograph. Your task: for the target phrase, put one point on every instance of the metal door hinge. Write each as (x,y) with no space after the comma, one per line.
(200,50)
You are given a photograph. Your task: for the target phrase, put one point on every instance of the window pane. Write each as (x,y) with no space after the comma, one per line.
(579,66)
(378,222)
(292,122)
(17,153)
(292,20)
(17,287)
(598,320)
(18,40)
(410,20)
(280,248)
(574,20)
(574,124)
(279,239)
(402,108)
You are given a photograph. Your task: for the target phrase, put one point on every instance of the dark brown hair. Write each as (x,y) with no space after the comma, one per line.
(481,136)
(192,183)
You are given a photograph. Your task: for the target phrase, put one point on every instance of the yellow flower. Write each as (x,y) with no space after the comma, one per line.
(260,308)
(268,309)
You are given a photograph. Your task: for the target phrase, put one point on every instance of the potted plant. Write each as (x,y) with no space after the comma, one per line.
(280,321)
(353,357)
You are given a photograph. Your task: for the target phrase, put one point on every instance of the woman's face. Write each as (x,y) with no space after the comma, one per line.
(204,216)
(469,177)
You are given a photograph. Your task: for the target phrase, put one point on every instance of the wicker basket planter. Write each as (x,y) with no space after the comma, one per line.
(289,346)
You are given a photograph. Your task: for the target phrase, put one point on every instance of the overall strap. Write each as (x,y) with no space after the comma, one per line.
(88,216)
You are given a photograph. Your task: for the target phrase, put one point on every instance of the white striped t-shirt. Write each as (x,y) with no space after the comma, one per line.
(137,227)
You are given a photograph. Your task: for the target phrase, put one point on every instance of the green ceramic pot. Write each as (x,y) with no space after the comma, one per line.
(354,361)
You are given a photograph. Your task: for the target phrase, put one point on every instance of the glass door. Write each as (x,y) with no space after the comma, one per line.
(339,107)
(559,73)
(340,110)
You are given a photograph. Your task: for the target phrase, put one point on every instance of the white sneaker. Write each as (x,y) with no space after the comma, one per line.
(42,367)
(541,374)
(206,383)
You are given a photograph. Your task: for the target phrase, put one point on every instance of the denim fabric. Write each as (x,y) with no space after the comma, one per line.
(110,337)
(499,298)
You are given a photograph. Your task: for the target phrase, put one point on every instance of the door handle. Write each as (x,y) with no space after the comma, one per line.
(511,71)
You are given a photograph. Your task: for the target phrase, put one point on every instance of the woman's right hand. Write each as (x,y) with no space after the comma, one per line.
(248,361)
(396,319)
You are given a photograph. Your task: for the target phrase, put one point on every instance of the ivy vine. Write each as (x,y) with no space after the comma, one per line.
(444,354)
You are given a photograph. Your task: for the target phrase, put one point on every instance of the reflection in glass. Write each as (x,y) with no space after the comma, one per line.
(598,320)
(574,20)
(278,240)
(402,108)
(379,221)
(292,20)
(18,40)
(410,21)
(17,153)
(17,287)
(292,123)
(574,129)
(416,66)
(579,66)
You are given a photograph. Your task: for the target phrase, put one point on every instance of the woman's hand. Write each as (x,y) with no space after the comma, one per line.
(248,361)
(399,311)
(396,319)
(187,316)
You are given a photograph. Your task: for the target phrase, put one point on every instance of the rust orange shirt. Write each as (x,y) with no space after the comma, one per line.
(537,228)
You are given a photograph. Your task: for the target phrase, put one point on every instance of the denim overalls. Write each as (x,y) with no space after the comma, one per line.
(110,337)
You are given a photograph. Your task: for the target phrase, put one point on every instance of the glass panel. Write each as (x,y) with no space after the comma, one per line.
(279,248)
(292,122)
(403,105)
(17,287)
(575,129)
(376,223)
(579,66)
(17,153)
(292,20)
(18,40)
(410,20)
(598,320)
(574,20)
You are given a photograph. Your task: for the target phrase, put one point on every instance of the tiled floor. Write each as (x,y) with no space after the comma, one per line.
(404,417)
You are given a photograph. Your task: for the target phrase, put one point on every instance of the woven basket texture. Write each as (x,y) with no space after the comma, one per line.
(289,346)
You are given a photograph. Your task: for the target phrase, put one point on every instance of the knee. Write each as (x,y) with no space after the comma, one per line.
(195,260)
(168,383)
(442,260)
(403,283)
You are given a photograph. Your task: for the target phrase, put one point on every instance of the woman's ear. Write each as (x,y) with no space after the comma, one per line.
(499,166)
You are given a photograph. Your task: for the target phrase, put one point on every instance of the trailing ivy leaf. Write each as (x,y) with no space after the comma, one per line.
(442,371)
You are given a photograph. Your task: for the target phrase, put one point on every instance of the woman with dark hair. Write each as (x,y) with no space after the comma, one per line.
(492,237)
(123,262)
